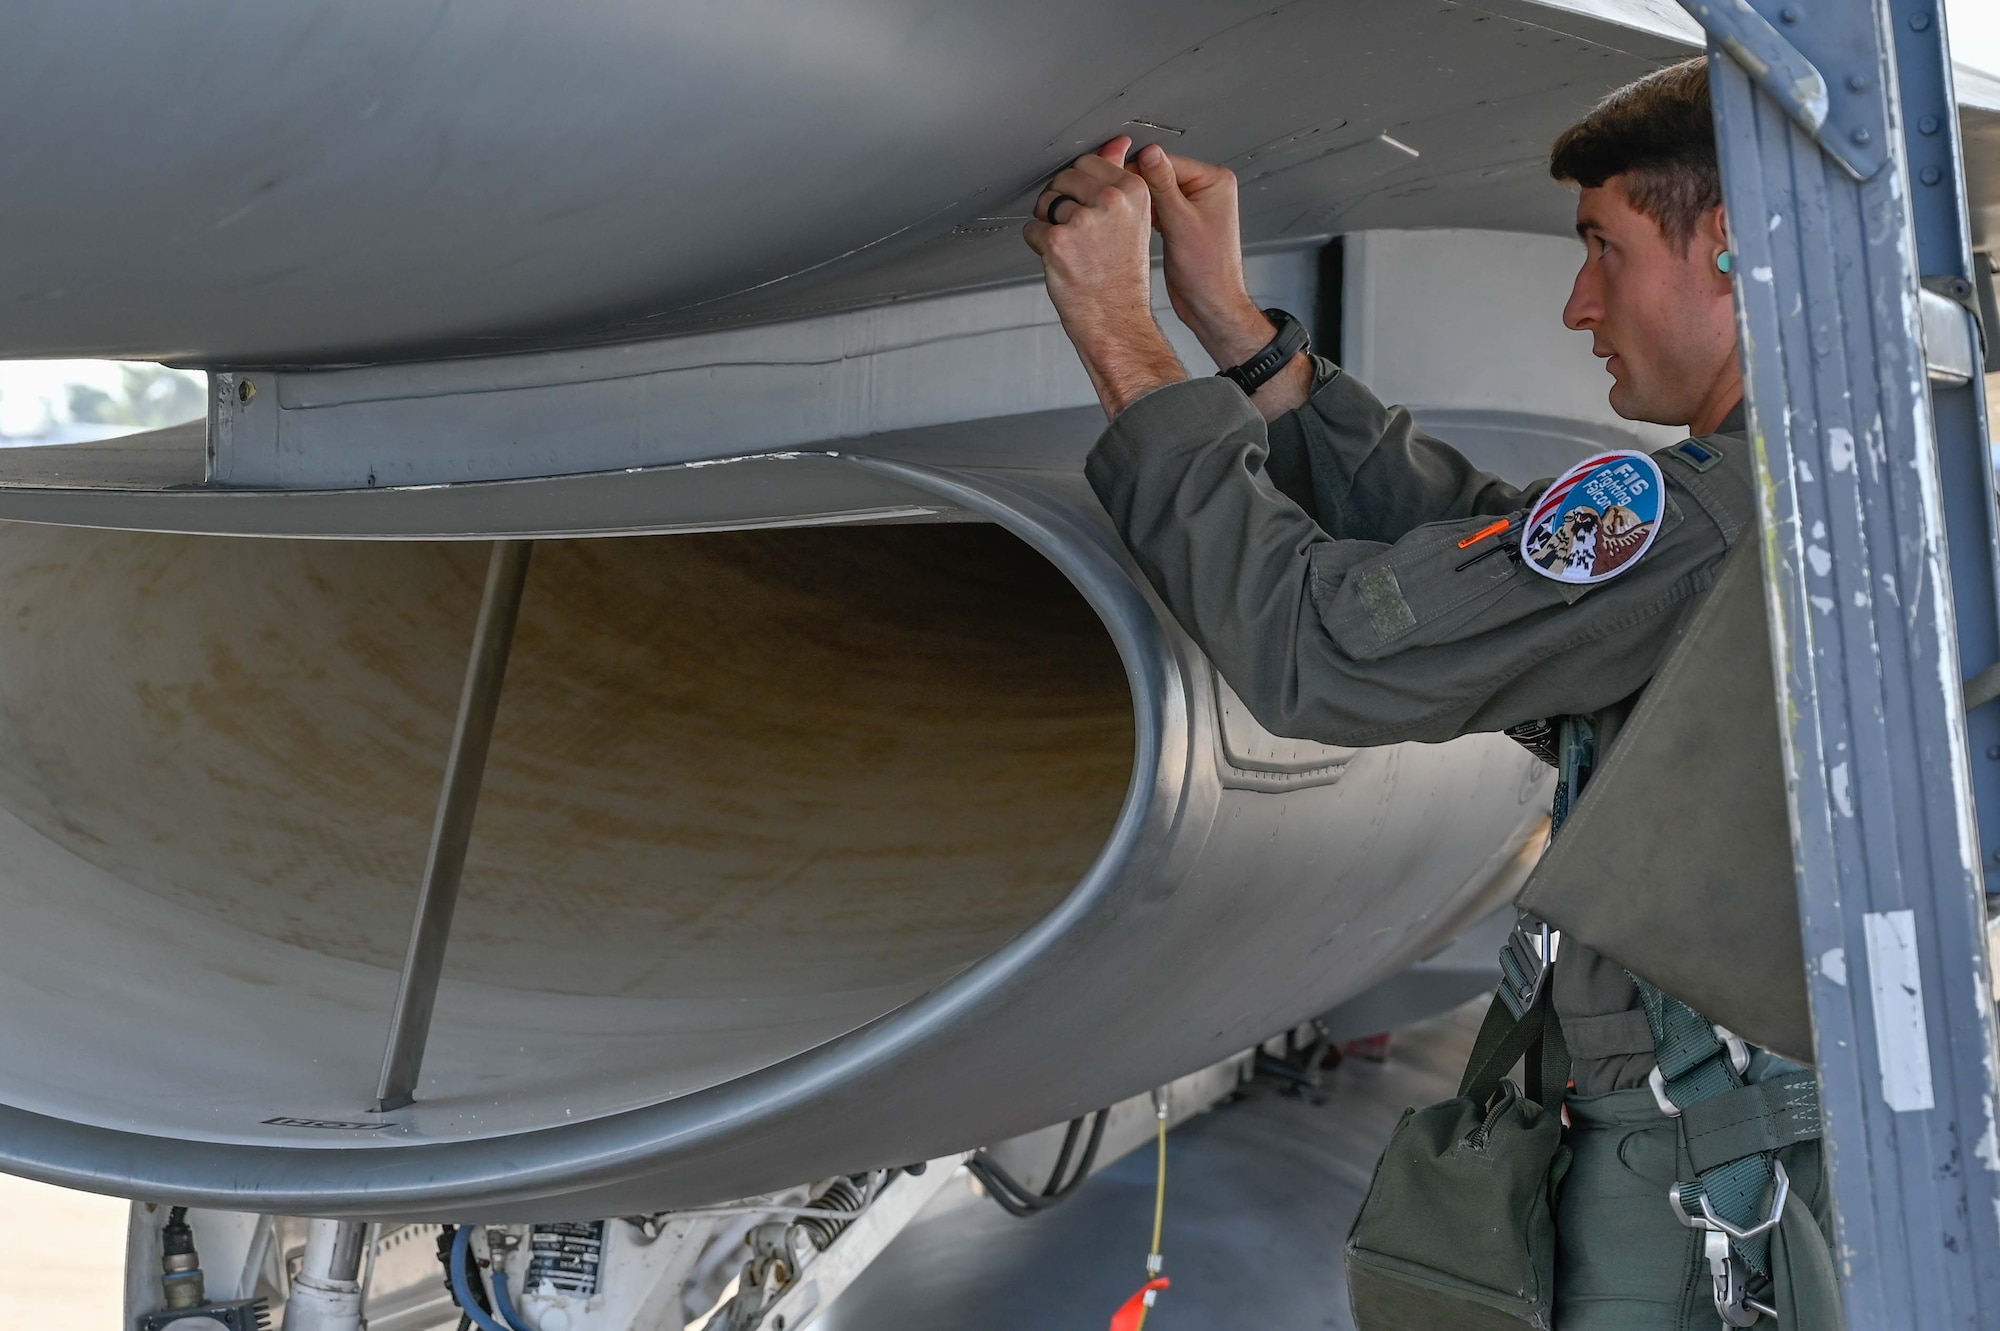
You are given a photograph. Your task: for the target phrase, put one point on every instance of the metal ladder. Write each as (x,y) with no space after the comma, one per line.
(1844,180)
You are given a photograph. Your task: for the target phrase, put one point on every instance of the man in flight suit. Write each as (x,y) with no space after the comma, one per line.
(1319,546)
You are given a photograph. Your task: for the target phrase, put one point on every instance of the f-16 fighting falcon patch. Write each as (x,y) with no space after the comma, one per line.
(1596,520)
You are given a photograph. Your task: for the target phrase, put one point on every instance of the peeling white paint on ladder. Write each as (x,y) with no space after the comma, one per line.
(1902,1034)
(1987,1152)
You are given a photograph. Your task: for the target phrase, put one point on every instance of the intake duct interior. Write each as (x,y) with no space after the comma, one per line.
(747,791)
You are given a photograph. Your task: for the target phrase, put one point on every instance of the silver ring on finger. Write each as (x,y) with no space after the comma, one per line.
(1057,201)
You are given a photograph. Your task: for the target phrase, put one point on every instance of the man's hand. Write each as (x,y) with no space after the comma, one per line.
(1095,254)
(1195,209)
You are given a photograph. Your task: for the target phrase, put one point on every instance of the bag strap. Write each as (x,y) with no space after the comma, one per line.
(1548,1060)
(1505,1039)
(1522,1022)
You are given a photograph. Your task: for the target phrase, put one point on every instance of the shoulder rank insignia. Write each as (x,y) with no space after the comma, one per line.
(1697,453)
(1596,520)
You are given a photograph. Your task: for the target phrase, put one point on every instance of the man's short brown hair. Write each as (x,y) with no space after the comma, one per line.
(1659,134)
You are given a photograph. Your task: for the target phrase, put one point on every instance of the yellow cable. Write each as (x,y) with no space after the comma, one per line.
(1160,1188)
(1153,1260)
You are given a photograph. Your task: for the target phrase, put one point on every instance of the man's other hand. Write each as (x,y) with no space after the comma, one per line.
(1095,255)
(1195,209)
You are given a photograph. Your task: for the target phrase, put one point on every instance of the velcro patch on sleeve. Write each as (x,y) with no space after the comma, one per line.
(1382,595)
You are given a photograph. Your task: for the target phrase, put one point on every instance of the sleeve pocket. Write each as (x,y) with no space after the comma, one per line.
(1425,591)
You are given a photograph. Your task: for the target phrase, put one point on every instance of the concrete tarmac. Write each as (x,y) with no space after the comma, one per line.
(65,1258)
(1260,1193)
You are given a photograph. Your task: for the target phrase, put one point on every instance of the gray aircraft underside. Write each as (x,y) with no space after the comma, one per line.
(857,803)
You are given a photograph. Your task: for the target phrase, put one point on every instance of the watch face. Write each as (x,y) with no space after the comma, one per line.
(1596,520)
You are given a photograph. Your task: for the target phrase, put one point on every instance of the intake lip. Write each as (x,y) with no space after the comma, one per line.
(670,1151)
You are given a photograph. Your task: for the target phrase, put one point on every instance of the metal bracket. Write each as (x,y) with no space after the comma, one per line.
(1950,321)
(1792,81)
(1989,309)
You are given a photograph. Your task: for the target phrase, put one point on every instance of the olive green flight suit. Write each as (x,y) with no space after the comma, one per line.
(1317,563)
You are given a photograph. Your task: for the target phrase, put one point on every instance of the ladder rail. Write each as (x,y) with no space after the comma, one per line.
(1858,477)
(1940,212)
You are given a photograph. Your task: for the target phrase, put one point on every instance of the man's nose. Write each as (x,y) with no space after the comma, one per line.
(1584,308)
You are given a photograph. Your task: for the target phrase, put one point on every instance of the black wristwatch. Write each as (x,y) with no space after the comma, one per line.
(1254,373)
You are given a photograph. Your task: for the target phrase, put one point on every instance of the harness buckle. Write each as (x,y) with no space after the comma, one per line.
(1656,1082)
(1732,1299)
(1732,1296)
(1739,1052)
(1739,1059)
(1714,1223)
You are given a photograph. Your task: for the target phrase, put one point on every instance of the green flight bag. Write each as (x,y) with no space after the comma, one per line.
(1458,1230)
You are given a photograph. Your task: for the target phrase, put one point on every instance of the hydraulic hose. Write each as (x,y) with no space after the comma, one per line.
(1019,1199)
(505,1301)
(461,1288)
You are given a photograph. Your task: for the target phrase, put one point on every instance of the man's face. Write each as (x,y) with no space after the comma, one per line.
(1660,314)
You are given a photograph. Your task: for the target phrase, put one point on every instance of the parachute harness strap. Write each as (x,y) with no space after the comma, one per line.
(1699,1062)
(1730,1128)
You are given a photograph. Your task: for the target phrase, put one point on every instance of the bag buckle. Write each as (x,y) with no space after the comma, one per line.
(1524,964)
(1732,1299)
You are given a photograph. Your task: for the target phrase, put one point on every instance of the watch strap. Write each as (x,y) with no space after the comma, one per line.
(1259,370)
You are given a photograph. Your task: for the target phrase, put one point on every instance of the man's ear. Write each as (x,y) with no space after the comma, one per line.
(1712,231)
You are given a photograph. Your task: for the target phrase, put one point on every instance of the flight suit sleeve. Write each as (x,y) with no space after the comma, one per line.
(1359,641)
(1364,471)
